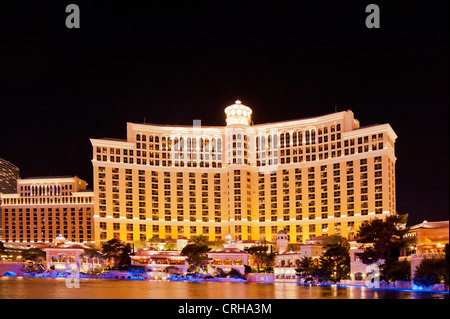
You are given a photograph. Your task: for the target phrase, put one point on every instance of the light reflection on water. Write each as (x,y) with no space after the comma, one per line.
(49,288)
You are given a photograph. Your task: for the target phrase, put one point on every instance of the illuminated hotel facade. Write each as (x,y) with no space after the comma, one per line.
(9,173)
(309,177)
(45,207)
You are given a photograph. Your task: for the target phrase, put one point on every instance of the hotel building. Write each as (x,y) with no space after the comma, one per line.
(309,177)
(9,173)
(46,207)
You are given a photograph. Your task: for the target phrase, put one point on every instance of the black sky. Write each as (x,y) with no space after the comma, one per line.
(175,62)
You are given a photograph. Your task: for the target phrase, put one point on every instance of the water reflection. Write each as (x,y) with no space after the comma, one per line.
(49,288)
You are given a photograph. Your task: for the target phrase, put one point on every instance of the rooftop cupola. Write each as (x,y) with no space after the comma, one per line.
(238,113)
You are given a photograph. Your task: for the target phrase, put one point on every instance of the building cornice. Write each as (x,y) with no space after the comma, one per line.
(372,129)
(312,121)
(175,129)
(112,143)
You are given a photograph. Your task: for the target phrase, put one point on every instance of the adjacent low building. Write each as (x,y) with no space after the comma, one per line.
(44,207)
(430,240)
(430,237)
(227,258)
(157,262)
(64,255)
(287,262)
(358,270)
(9,173)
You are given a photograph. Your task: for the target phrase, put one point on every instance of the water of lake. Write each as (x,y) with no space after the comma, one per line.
(49,288)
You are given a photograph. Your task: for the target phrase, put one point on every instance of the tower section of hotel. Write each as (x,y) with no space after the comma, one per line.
(309,177)
(9,173)
(45,207)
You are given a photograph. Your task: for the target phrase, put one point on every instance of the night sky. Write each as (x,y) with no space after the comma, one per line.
(171,63)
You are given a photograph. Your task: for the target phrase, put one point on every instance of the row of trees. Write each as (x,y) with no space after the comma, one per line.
(382,240)
(197,253)
(334,265)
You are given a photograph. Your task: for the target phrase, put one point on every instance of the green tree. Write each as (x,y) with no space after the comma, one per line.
(430,271)
(34,254)
(305,267)
(263,256)
(269,261)
(336,260)
(170,246)
(324,270)
(197,255)
(199,239)
(398,270)
(446,275)
(234,273)
(154,241)
(118,251)
(247,269)
(383,240)
(37,256)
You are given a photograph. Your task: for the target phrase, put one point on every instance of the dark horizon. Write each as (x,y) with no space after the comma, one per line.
(172,64)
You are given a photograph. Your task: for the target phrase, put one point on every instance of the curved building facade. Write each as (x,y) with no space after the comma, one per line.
(9,173)
(309,177)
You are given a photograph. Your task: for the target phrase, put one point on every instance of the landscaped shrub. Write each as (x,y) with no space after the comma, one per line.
(431,271)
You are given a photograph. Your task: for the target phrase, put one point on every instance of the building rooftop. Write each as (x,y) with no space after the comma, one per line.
(228,250)
(114,139)
(49,177)
(431,225)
